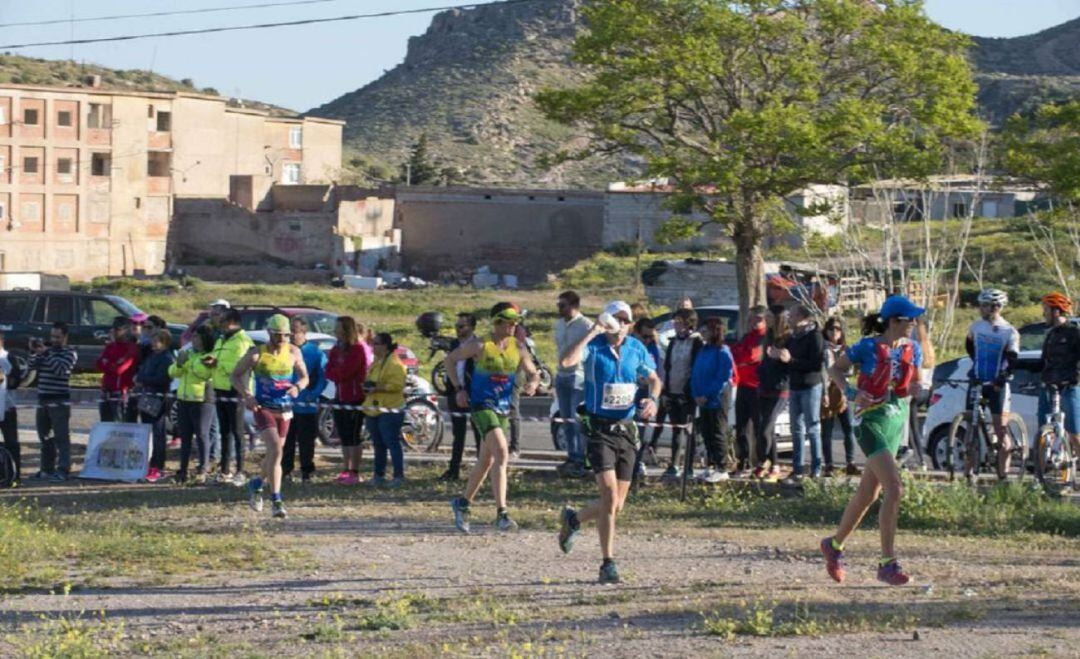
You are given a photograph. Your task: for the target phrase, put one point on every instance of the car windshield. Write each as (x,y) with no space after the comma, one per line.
(1031,336)
(123,305)
(320,321)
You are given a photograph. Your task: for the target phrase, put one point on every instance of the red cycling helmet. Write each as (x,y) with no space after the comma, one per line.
(1058,301)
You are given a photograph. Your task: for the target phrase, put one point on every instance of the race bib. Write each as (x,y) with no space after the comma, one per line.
(287,415)
(619,395)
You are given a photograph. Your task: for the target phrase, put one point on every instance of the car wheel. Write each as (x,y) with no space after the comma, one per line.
(326,425)
(937,446)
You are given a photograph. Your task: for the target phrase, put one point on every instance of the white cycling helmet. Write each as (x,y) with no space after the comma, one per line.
(993,296)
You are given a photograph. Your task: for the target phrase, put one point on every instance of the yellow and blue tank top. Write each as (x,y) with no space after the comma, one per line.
(274,377)
(494,371)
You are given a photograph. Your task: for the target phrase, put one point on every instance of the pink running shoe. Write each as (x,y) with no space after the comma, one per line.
(834,560)
(153,475)
(341,477)
(350,479)
(892,574)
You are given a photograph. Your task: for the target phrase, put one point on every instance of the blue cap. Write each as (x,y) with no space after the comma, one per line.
(898,305)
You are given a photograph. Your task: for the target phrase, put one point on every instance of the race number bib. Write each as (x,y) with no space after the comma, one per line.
(619,395)
(287,415)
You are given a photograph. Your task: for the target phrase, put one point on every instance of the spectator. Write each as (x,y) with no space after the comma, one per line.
(710,377)
(805,356)
(676,403)
(347,368)
(686,303)
(465,329)
(834,403)
(570,382)
(217,310)
(645,331)
(153,381)
(149,327)
(772,393)
(229,349)
(747,353)
(638,311)
(118,363)
(304,428)
(9,420)
(195,406)
(54,365)
(385,389)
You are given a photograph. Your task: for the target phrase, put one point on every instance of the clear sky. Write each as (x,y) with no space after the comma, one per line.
(302,67)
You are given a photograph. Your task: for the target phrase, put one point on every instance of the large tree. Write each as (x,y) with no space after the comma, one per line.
(742,103)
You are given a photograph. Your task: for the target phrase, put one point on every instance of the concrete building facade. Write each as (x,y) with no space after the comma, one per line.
(88,177)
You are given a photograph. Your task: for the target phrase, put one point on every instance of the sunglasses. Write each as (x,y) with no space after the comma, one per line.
(904,319)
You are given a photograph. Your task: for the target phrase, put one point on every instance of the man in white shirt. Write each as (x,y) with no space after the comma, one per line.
(571,327)
(9,422)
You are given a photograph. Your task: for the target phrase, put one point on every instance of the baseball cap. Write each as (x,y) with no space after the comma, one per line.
(221,302)
(506,311)
(278,324)
(139,318)
(616,306)
(898,305)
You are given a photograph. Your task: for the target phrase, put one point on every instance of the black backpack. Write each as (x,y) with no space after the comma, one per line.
(15,377)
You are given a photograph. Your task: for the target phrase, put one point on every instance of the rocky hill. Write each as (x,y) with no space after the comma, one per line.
(467,82)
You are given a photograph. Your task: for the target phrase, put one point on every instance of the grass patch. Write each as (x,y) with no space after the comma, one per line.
(763,619)
(69,637)
(43,548)
(396,613)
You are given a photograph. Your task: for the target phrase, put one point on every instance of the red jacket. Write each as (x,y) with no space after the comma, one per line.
(118,364)
(747,353)
(347,369)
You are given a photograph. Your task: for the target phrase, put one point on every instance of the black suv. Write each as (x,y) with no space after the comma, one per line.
(26,314)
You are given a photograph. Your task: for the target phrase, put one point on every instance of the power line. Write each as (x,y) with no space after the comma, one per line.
(205,10)
(260,26)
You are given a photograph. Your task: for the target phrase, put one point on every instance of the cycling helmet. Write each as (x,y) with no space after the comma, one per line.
(1058,301)
(993,296)
(278,324)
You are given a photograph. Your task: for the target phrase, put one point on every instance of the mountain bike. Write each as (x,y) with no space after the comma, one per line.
(973,442)
(1055,464)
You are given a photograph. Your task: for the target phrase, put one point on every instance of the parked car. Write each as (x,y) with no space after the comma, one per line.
(26,314)
(253,317)
(949,398)
(1032,334)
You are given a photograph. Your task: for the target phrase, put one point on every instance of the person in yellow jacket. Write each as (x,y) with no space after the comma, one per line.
(385,389)
(195,408)
(229,349)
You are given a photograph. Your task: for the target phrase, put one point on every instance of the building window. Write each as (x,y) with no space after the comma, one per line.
(158,163)
(99,164)
(296,137)
(100,116)
(164,122)
(30,117)
(149,111)
(63,167)
(959,209)
(290,173)
(63,118)
(3,115)
(31,211)
(30,165)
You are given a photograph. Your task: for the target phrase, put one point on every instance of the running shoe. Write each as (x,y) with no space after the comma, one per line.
(255,500)
(278,508)
(58,476)
(609,573)
(759,472)
(892,574)
(449,476)
(396,482)
(815,474)
(834,560)
(640,470)
(174,442)
(852,470)
(713,476)
(224,477)
(305,479)
(773,474)
(349,479)
(568,529)
(461,513)
(180,478)
(200,479)
(378,481)
(40,476)
(153,475)
(793,479)
(239,480)
(830,471)
(342,476)
(671,472)
(505,524)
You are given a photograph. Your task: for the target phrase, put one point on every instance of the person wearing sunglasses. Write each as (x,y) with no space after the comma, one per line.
(497,363)
(614,364)
(570,382)
(280,374)
(888,362)
(994,346)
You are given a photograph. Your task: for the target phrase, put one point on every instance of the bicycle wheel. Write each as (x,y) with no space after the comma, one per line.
(7,468)
(439,380)
(1021,450)
(1055,465)
(423,427)
(956,444)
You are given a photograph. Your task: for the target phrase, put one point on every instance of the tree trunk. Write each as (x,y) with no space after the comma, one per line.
(750,273)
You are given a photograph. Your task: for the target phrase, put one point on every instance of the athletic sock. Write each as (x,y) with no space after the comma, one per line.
(885,560)
(607,561)
(836,545)
(256,483)
(276,497)
(501,512)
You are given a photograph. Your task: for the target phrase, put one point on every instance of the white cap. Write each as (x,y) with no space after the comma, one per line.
(221,302)
(617,306)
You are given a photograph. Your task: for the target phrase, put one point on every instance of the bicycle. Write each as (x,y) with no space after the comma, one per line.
(1055,464)
(972,438)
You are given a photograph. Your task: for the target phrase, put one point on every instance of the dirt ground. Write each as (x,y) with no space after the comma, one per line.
(388,575)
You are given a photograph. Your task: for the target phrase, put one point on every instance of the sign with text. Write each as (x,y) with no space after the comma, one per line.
(117,452)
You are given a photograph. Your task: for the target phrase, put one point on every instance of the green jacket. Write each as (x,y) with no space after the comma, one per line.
(193,377)
(229,351)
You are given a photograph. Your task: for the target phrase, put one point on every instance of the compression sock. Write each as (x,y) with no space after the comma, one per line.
(607,561)
(256,483)
(276,497)
(836,545)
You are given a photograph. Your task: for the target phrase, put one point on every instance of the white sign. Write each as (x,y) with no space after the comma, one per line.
(117,452)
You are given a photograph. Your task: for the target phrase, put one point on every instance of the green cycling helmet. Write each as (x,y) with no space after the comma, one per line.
(278,324)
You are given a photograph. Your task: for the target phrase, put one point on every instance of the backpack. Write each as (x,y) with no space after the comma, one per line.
(15,377)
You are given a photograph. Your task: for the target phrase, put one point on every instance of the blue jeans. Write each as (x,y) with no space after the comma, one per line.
(385,431)
(570,394)
(804,407)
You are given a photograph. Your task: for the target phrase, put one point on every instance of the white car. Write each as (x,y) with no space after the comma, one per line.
(949,398)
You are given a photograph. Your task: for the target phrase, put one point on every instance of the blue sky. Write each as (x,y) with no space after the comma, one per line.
(301,67)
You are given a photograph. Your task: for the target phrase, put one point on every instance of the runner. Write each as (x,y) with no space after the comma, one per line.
(280,375)
(496,362)
(993,345)
(888,364)
(614,362)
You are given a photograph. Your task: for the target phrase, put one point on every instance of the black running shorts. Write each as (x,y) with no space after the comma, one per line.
(612,445)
